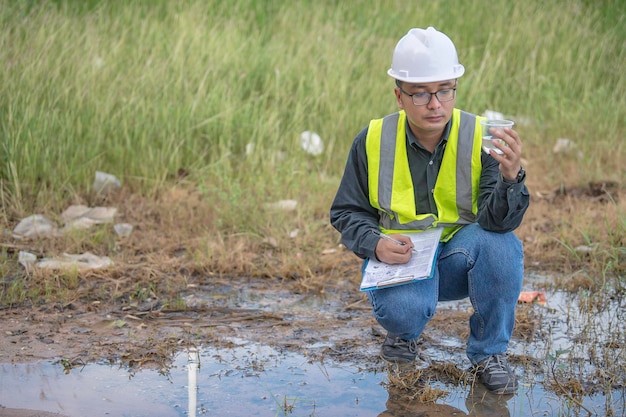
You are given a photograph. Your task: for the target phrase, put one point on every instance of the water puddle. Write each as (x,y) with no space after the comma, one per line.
(242,378)
(250,381)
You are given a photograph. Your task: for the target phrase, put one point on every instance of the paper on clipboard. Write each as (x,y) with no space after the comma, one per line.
(378,274)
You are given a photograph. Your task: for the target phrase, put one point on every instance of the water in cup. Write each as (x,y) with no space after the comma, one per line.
(488,138)
(488,144)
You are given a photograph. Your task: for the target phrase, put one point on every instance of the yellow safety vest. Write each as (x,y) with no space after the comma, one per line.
(391,186)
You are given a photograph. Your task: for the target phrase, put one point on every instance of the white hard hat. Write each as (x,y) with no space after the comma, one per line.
(424,56)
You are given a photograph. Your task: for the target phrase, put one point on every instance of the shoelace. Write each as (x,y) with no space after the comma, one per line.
(496,364)
(410,344)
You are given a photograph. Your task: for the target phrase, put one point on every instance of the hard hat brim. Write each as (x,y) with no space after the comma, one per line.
(457,72)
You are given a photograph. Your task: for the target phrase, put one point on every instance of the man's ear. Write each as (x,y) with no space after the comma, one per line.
(398,94)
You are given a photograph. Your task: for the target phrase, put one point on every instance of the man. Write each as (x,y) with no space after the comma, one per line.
(423,167)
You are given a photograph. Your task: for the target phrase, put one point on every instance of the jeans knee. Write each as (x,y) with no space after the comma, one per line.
(506,245)
(403,318)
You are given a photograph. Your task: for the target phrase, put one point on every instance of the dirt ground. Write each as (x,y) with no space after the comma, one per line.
(331,320)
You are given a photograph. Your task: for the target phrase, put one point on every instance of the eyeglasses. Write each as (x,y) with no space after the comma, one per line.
(422,99)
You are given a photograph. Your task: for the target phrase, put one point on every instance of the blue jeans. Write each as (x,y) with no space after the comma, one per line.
(485,266)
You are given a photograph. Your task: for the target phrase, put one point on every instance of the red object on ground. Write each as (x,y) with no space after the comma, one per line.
(538,297)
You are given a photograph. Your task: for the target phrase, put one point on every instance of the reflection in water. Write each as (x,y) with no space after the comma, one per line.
(193,366)
(479,402)
(400,406)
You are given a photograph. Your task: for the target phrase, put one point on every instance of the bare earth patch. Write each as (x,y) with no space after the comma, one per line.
(157,300)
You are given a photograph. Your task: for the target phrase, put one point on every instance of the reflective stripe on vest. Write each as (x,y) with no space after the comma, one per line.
(391,186)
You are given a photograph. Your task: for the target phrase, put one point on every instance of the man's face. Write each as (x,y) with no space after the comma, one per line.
(429,118)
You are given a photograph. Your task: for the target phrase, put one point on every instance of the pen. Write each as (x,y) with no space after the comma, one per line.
(389,238)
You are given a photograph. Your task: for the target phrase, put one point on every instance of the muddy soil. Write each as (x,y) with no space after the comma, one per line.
(141,335)
(337,324)
(332,319)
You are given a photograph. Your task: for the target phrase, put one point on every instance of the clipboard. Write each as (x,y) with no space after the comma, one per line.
(421,266)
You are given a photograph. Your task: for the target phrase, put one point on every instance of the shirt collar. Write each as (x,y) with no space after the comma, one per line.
(444,136)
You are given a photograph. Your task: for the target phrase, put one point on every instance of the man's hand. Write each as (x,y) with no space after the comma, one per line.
(392,253)
(511,158)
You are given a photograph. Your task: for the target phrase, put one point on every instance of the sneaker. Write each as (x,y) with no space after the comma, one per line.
(496,375)
(399,350)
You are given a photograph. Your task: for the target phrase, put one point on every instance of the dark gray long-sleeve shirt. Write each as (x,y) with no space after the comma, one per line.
(501,206)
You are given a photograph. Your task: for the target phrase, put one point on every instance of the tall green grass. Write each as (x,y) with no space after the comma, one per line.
(147,89)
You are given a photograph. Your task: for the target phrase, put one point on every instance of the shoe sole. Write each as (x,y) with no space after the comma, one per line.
(502,391)
(396,360)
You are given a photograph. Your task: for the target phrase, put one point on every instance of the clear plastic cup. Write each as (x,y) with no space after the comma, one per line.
(488,138)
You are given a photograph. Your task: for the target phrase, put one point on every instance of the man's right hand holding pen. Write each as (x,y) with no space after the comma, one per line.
(393,249)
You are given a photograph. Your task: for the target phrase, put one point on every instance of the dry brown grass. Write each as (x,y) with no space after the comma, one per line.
(576,224)
(176,237)
(414,385)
